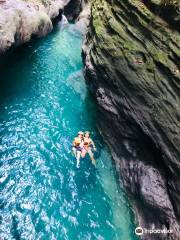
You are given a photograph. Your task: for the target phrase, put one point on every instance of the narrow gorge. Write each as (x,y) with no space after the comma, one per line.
(131,56)
(128,54)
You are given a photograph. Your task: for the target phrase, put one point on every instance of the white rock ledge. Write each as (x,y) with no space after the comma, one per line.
(21,19)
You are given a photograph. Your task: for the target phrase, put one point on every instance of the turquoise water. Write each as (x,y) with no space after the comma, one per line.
(43,103)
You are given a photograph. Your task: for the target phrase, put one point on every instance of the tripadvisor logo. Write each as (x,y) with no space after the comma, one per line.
(139,231)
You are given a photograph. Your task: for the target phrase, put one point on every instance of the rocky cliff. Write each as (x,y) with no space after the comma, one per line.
(22,19)
(132,66)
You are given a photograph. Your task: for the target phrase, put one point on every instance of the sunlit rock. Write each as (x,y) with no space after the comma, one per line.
(20,20)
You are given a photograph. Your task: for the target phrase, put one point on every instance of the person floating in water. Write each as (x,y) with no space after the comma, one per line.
(82,145)
(87,148)
(78,144)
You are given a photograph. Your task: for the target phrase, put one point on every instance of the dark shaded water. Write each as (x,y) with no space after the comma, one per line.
(43,103)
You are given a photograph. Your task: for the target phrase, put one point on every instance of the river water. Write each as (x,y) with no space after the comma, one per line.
(43,103)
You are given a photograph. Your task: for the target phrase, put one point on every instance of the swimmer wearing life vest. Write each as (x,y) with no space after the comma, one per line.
(87,147)
(78,144)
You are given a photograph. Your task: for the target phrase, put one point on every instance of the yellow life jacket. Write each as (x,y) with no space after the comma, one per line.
(77,141)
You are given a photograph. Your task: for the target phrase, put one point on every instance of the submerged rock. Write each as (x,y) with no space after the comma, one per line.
(20,20)
(132,66)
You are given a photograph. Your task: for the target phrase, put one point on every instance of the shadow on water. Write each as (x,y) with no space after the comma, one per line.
(14,230)
(11,84)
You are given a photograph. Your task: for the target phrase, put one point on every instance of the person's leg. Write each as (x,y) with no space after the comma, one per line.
(92,157)
(83,152)
(74,151)
(78,158)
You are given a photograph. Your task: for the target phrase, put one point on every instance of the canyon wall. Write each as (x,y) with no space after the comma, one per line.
(20,20)
(132,66)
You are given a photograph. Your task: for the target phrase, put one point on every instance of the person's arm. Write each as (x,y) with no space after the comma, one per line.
(73,144)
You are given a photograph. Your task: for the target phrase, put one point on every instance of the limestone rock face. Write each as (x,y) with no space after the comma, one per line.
(82,22)
(132,66)
(20,20)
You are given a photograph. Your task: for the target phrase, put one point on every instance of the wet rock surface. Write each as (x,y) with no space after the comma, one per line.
(20,20)
(78,11)
(131,56)
(82,21)
(73,9)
